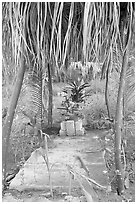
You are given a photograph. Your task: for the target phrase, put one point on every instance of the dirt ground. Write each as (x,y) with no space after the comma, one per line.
(63,150)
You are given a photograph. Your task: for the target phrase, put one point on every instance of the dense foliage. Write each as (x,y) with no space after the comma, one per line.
(39,38)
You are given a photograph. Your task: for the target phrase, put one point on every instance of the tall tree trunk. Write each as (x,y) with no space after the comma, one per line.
(50,101)
(10,115)
(119,122)
(106,92)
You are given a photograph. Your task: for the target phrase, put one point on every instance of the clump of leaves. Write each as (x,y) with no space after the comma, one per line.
(78,92)
(75,94)
(69,106)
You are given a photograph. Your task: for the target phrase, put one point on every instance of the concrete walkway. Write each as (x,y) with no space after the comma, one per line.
(34,173)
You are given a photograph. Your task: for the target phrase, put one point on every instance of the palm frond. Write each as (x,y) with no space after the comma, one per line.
(130,83)
(59,31)
(31,97)
(67,36)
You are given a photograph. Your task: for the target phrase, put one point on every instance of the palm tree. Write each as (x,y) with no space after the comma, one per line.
(43,32)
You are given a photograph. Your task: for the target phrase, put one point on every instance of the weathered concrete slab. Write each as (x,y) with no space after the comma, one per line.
(34,174)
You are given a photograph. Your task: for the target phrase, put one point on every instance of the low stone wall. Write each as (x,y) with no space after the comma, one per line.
(71,128)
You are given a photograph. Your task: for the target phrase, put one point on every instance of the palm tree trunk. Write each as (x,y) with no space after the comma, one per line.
(106,93)
(119,123)
(50,101)
(10,115)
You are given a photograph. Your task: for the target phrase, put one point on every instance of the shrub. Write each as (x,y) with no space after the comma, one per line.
(78,92)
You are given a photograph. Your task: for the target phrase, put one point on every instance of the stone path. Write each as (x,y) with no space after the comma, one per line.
(34,173)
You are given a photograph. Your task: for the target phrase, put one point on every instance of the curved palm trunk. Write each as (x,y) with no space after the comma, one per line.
(119,123)
(10,115)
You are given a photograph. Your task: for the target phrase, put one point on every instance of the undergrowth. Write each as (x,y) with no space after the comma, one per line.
(94,114)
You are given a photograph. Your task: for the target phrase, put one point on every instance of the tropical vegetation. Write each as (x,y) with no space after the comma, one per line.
(39,42)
